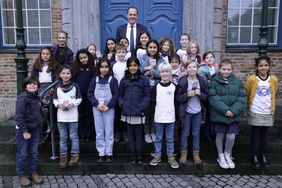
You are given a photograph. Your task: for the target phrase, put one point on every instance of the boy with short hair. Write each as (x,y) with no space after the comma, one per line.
(28,122)
(164,97)
(119,67)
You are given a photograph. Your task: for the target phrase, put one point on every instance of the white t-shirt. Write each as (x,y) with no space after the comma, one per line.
(44,76)
(165,109)
(140,52)
(182,54)
(262,101)
(118,70)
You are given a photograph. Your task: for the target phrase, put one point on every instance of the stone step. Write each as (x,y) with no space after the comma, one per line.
(121,164)
(242,143)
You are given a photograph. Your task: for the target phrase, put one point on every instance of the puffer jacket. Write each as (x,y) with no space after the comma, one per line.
(28,114)
(226,95)
(134,96)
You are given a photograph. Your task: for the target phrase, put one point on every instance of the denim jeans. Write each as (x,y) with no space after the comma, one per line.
(193,121)
(169,132)
(63,130)
(27,149)
(104,127)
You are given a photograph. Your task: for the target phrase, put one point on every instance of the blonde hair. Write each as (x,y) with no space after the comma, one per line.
(190,46)
(165,67)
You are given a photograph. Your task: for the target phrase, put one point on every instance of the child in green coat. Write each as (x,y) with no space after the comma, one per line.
(228,100)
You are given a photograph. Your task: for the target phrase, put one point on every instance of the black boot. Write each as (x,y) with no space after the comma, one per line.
(264,161)
(255,162)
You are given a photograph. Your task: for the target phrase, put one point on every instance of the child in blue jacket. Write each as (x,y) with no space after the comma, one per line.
(134,100)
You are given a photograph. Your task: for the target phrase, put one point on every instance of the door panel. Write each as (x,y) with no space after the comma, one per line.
(161,17)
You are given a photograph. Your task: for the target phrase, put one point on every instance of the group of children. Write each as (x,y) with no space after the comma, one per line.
(152,91)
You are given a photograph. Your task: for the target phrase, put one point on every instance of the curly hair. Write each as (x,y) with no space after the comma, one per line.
(38,63)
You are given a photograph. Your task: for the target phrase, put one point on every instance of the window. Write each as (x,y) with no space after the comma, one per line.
(36,20)
(244,20)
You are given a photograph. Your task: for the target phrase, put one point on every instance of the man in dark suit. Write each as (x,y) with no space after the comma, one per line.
(131,30)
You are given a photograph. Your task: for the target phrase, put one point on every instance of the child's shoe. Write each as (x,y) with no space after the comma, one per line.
(148,138)
(139,158)
(183,157)
(63,161)
(153,136)
(229,161)
(222,162)
(36,178)
(25,182)
(74,159)
(173,163)
(100,159)
(196,158)
(155,161)
(109,159)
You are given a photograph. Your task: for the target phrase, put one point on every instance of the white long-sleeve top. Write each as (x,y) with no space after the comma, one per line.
(72,96)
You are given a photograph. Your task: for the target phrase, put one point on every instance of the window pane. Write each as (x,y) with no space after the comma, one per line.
(273,3)
(257,17)
(32,18)
(245,35)
(232,35)
(8,18)
(233,17)
(272,17)
(233,4)
(272,35)
(7,4)
(44,4)
(45,18)
(32,4)
(246,3)
(257,3)
(256,35)
(9,36)
(246,16)
(33,36)
(46,37)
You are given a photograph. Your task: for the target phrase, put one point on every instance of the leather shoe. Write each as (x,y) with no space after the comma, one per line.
(264,161)
(100,159)
(255,162)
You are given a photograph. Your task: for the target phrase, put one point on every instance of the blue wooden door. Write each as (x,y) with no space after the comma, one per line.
(161,17)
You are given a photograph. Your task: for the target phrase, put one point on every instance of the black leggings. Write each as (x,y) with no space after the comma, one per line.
(259,139)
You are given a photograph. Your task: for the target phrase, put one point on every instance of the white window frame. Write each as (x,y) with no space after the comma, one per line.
(252,24)
(25,12)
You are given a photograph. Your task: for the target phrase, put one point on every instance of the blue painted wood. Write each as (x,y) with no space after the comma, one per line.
(161,17)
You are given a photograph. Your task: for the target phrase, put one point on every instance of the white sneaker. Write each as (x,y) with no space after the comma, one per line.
(229,161)
(153,136)
(222,162)
(148,138)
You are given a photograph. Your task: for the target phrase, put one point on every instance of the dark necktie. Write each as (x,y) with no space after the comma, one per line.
(131,39)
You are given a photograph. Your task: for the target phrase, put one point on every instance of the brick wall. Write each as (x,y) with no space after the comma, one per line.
(244,61)
(8,78)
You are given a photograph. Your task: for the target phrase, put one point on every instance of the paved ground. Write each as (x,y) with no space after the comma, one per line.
(146,181)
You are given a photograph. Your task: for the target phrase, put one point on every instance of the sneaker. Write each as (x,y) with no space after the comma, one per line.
(36,178)
(109,159)
(63,161)
(148,138)
(153,136)
(25,182)
(229,161)
(222,162)
(74,159)
(155,161)
(173,163)
(100,159)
